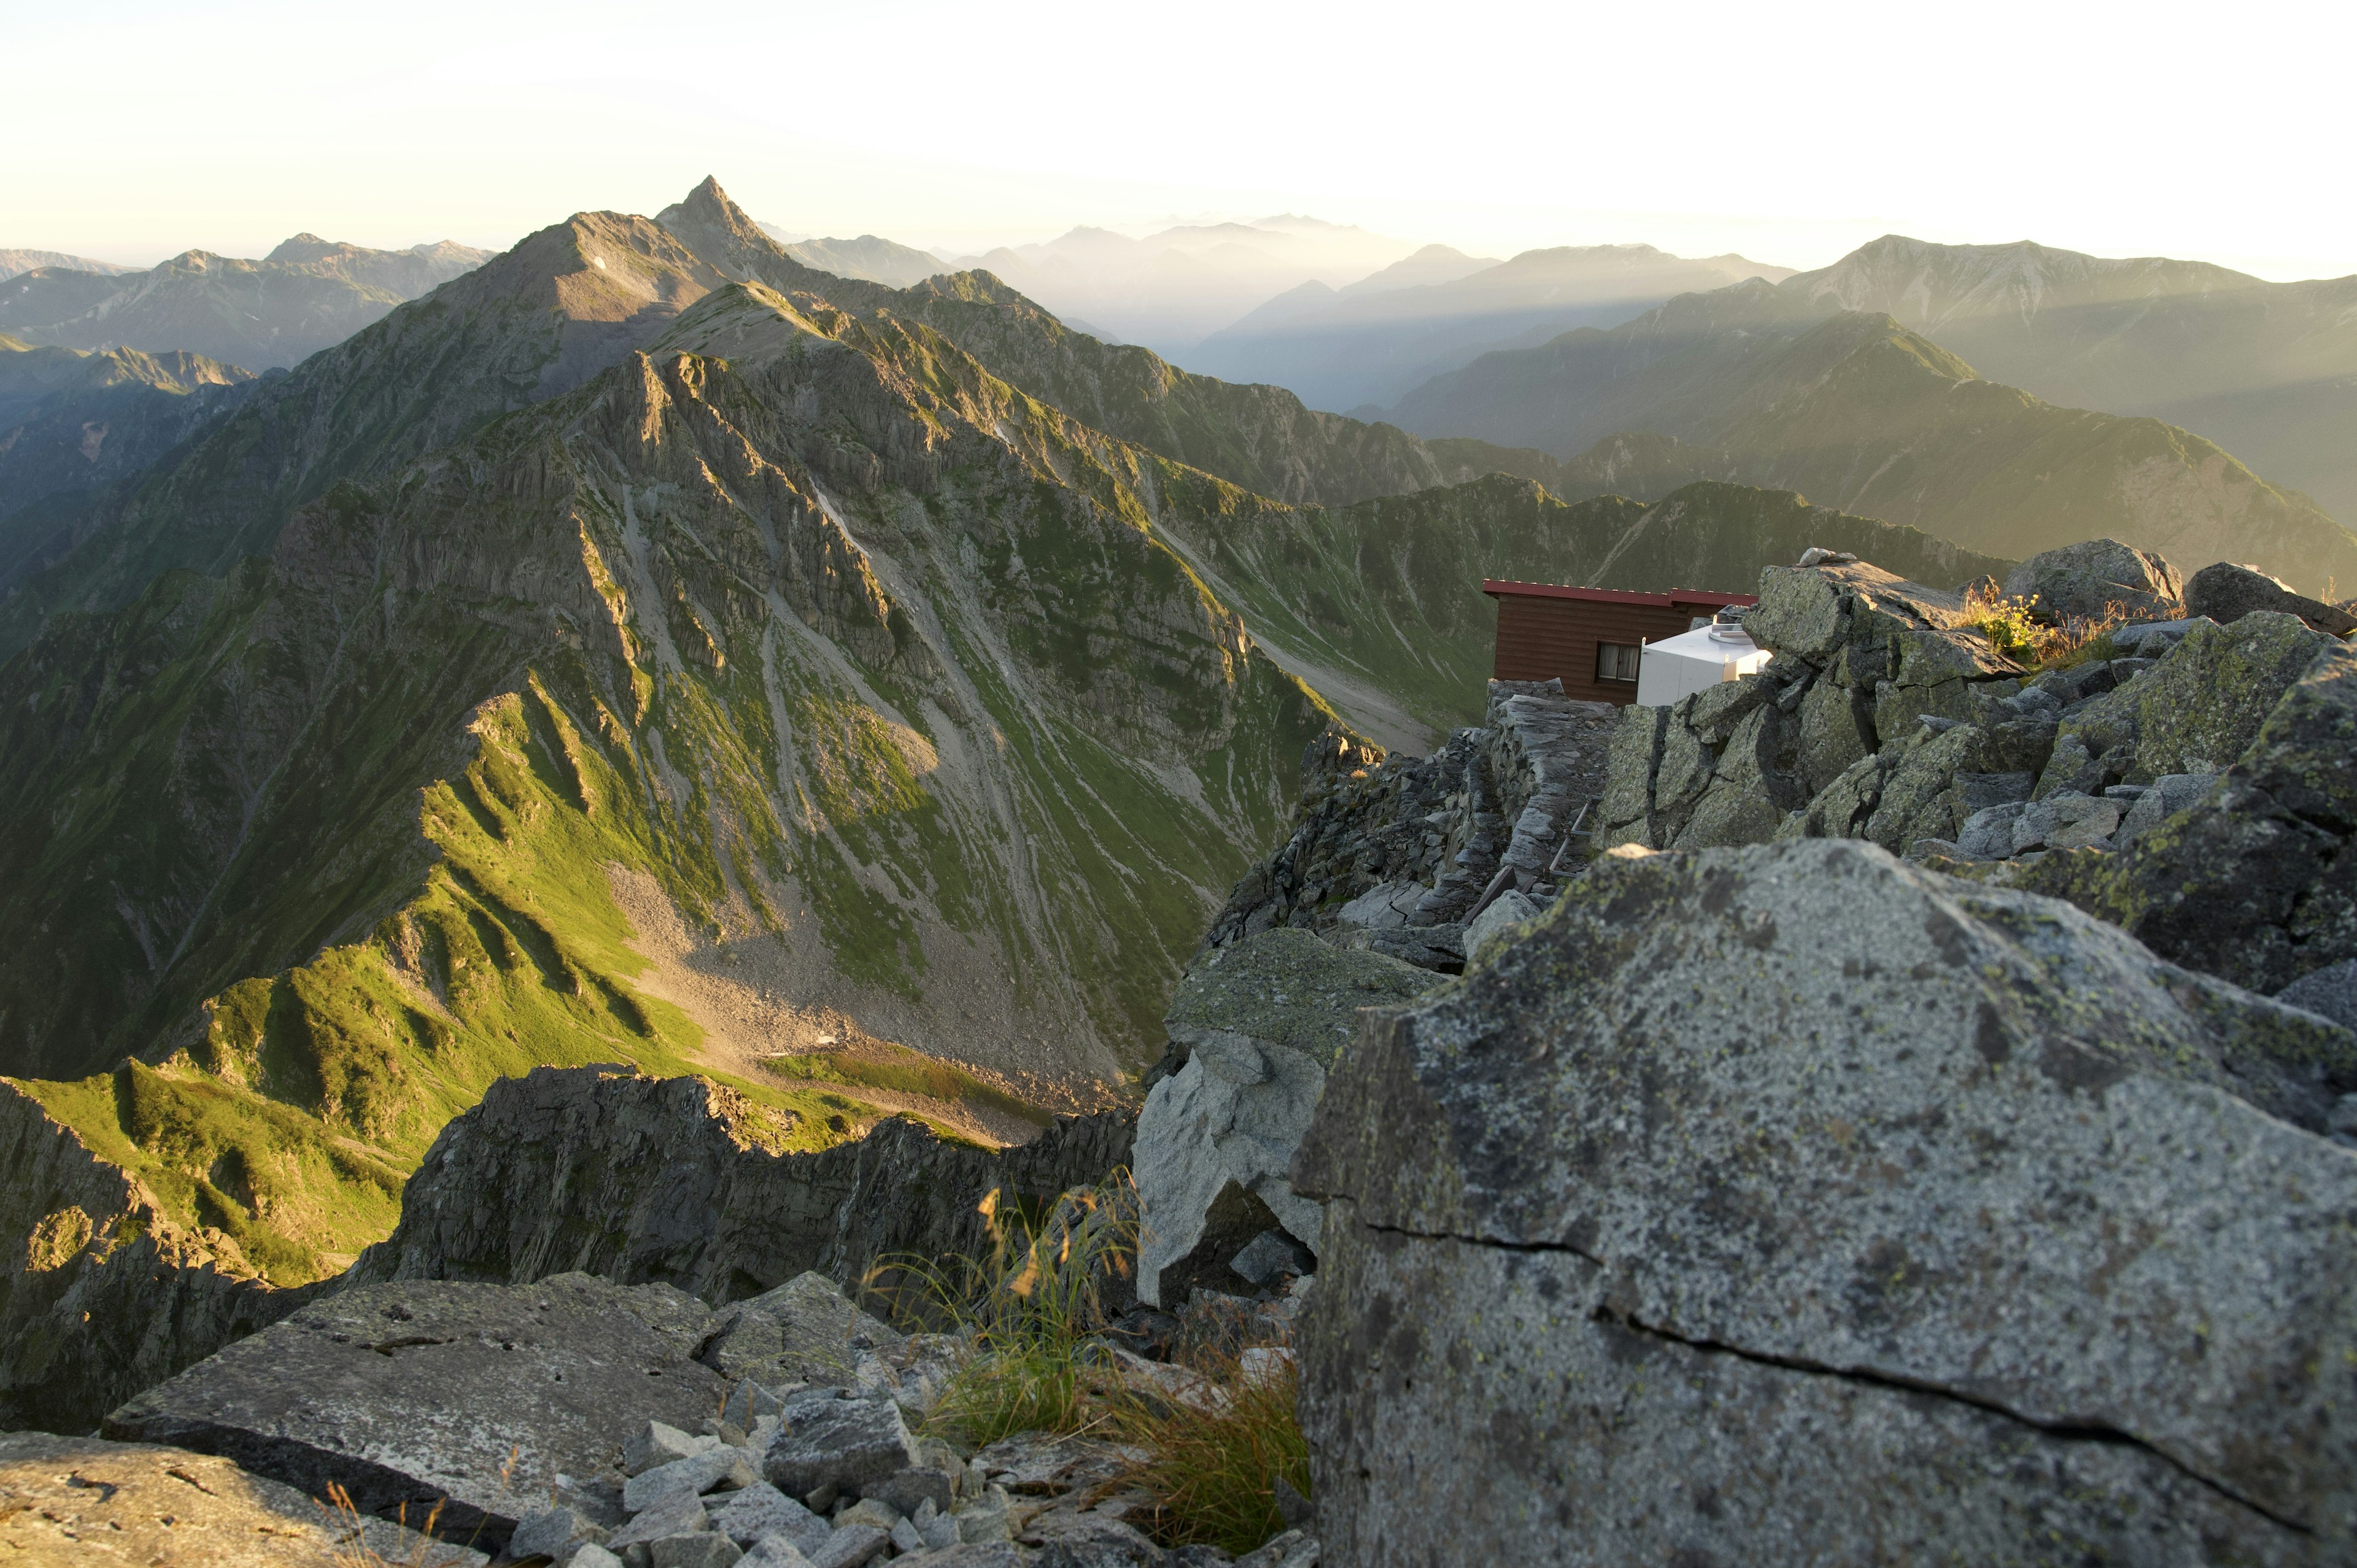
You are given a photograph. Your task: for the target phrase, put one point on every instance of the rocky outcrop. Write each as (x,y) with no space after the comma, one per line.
(486,1399)
(83,1500)
(640,1179)
(108,1295)
(2226,592)
(1254,1028)
(2174,787)
(1790,1203)
(1395,853)
(2247,874)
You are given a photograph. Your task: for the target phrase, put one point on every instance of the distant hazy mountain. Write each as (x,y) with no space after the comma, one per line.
(1858,413)
(1366,345)
(15,261)
(1170,289)
(871,257)
(304,296)
(2267,369)
(70,420)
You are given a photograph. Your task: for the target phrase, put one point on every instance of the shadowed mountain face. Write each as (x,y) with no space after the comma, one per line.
(1351,348)
(304,295)
(71,421)
(1858,413)
(2268,371)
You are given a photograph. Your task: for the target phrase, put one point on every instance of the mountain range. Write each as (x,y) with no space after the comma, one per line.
(72,420)
(2268,371)
(307,295)
(12,262)
(870,258)
(1769,385)
(646,648)
(1169,289)
(1375,340)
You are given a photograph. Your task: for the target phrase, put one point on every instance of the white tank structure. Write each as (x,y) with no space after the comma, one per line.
(1698,659)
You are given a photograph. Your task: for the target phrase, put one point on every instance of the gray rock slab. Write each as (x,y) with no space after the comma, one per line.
(554,1533)
(720,1468)
(2330,991)
(424,1390)
(775,1552)
(760,1511)
(841,1443)
(1261,1019)
(850,1546)
(804,1331)
(1289,989)
(677,1515)
(84,1501)
(1819,1108)
(703,1549)
(2094,576)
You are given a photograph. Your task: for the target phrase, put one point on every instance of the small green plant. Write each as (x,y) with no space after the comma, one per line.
(2012,627)
(1213,1472)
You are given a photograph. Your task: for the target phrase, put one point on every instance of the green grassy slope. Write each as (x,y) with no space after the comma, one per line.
(854,649)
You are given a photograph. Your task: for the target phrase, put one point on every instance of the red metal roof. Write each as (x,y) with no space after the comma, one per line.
(1675,596)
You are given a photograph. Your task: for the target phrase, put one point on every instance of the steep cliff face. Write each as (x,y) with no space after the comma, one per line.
(108,1295)
(638,1180)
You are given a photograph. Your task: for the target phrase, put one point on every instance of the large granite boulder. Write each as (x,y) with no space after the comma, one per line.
(1259,1023)
(2226,592)
(1792,1204)
(489,1400)
(2088,580)
(86,1500)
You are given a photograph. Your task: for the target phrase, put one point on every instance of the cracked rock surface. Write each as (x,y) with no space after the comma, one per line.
(494,1397)
(1832,1192)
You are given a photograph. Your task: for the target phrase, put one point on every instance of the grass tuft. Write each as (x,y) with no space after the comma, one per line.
(2010,625)
(1213,1473)
(1211,1440)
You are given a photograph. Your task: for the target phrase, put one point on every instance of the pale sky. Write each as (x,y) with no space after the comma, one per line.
(1790,133)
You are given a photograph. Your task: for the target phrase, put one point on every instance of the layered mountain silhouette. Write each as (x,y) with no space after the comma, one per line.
(72,420)
(1379,339)
(304,295)
(2268,371)
(646,648)
(12,262)
(1858,411)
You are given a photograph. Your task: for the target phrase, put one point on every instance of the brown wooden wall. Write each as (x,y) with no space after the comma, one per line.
(1540,638)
